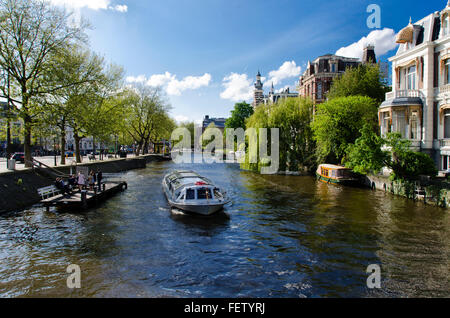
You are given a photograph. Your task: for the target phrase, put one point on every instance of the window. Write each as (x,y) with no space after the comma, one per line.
(333,68)
(414,124)
(203,194)
(447,124)
(399,122)
(319,90)
(447,71)
(190,194)
(445,26)
(217,194)
(411,78)
(385,124)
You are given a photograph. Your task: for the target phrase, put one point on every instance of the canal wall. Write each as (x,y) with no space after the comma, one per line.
(435,193)
(18,189)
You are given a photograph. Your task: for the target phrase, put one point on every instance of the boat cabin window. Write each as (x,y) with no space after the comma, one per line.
(203,194)
(217,194)
(190,194)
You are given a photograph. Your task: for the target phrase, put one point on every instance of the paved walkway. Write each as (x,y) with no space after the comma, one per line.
(50,161)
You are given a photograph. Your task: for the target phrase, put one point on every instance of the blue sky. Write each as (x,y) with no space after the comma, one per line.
(205,53)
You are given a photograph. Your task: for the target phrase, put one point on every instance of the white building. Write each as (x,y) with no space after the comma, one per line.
(419,105)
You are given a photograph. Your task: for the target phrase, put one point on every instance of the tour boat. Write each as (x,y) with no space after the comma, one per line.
(190,192)
(336,174)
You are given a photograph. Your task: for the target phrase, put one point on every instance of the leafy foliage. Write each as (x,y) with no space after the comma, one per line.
(361,81)
(338,122)
(366,155)
(239,115)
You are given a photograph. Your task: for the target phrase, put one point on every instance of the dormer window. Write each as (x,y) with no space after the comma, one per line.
(411,78)
(445,25)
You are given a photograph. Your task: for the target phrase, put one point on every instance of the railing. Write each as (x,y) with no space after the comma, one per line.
(42,166)
(444,143)
(442,89)
(404,93)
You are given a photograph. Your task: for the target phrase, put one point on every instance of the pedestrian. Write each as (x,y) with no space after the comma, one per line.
(91,180)
(99,179)
(81,180)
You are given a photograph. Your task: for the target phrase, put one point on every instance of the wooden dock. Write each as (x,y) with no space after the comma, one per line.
(84,199)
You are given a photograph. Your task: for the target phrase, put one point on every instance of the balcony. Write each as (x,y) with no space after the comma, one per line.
(404,93)
(444,143)
(444,90)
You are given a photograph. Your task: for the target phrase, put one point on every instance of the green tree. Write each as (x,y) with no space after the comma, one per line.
(239,115)
(361,81)
(78,71)
(191,127)
(367,154)
(145,108)
(297,147)
(30,31)
(407,164)
(338,122)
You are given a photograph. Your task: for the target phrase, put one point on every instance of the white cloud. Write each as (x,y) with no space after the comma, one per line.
(238,87)
(120,8)
(289,69)
(175,87)
(160,79)
(136,79)
(90,4)
(170,82)
(383,40)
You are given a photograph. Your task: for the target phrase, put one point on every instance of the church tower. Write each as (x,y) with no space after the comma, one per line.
(258,93)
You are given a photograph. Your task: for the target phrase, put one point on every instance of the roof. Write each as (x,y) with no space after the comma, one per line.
(185,177)
(335,167)
(402,101)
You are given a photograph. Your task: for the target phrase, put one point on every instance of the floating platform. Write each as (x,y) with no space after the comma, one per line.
(85,198)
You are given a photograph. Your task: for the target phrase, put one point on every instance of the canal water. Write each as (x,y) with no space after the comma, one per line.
(279,237)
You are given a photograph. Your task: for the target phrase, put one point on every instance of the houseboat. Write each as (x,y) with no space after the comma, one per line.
(336,174)
(190,192)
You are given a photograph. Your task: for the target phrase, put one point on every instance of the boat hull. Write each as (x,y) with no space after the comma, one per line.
(328,180)
(201,209)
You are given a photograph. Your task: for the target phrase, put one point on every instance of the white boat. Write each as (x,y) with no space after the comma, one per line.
(190,192)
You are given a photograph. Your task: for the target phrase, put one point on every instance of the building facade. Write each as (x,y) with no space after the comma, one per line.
(315,83)
(273,97)
(218,122)
(419,105)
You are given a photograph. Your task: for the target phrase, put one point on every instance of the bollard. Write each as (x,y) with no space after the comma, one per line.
(104,187)
(84,198)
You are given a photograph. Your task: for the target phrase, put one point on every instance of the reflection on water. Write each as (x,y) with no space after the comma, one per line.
(279,237)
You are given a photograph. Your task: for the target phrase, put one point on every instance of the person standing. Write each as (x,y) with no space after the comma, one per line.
(81,180)
(99,179)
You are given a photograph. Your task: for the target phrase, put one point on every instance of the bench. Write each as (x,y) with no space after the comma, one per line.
(48,192)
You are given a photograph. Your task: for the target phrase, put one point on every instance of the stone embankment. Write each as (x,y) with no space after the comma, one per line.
(18,189)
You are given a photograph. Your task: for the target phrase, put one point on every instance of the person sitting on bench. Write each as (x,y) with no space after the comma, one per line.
(60,185)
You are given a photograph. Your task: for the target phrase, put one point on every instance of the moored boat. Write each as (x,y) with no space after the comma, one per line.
(190,192)
(336,174)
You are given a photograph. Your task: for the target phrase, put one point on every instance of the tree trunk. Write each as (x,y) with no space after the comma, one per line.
(27,142)
(94,146)
(63,147)
(145,150)
(77,147)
